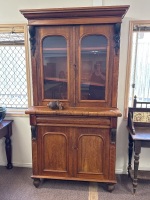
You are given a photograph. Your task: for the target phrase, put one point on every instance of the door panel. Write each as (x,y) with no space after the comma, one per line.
(94,65)
(89,146)
(54,64)
(53,152)
(93,149)
(55,67)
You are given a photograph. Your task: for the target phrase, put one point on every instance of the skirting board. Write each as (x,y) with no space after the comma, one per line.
(29,165)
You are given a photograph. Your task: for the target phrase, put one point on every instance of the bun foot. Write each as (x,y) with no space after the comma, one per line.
(110,187)
(36,182)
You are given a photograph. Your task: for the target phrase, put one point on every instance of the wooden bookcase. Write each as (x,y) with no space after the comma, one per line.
(69,46)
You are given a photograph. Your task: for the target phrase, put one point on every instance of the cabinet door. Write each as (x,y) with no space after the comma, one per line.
(54,58)
(92,153)
(95,65)
(53,151)
(75,64)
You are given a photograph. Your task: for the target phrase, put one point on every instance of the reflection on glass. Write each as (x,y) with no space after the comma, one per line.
(55,67)
(93,67)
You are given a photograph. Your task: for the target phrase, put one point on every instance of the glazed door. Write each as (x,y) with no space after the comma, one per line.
(74,64)
(54,61)
(92,159)
(53,151)
(94,65)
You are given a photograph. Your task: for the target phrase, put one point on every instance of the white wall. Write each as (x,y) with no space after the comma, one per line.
(21,139)
(139,10)
(9,12)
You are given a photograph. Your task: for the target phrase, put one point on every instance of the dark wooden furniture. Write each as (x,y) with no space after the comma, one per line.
(75,58)
(139,136)
(6,131)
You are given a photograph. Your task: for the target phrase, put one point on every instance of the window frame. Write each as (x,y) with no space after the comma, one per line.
(132,23)
(24,29)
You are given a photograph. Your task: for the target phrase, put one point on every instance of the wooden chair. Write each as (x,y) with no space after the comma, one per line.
(139,136)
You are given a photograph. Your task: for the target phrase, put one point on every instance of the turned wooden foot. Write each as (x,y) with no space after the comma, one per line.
(110,187)
(36,182)
(9,166)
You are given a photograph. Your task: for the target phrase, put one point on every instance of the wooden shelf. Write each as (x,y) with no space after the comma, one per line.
(65,80)
(94,48)
(82,48)
(55,49)
(55,79)
(92,83)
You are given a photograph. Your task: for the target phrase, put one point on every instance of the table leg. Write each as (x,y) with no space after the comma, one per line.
(8,149)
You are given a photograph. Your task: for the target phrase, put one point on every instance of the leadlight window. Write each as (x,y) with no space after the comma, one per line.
(14,81)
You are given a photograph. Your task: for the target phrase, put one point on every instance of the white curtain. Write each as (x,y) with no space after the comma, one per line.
(140,66)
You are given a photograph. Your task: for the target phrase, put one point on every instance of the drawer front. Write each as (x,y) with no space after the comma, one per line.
(74,121)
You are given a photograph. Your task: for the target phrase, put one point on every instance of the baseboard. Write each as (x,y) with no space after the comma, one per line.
(121,171)
(27,165)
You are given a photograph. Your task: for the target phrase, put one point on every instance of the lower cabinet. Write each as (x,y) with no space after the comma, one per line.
(73,151)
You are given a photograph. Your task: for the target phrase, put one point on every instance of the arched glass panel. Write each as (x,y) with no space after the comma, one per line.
(55,67)
(93,67)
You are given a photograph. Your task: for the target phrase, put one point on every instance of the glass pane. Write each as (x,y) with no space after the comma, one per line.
(13,82)
(140,62)
(55,67)
(93,67)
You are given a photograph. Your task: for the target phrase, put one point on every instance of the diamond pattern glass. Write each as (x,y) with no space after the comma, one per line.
(13,83)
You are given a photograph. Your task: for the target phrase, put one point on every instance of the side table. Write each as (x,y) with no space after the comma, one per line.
(6,131)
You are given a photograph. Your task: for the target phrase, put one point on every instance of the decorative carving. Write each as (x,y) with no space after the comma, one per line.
(113,135)
(117,28)
(33,131)
(32,39)
(135,101)
(141,117)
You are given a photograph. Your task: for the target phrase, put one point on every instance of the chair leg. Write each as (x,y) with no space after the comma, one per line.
(137,150)
(130,151)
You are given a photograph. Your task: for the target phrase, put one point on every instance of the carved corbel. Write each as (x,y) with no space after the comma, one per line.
(33,131)
(116,37)
(32,33)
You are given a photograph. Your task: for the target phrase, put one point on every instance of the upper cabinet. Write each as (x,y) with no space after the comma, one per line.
(74,65)
(75,54)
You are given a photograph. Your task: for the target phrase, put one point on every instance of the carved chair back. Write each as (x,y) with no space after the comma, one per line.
(139,115)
